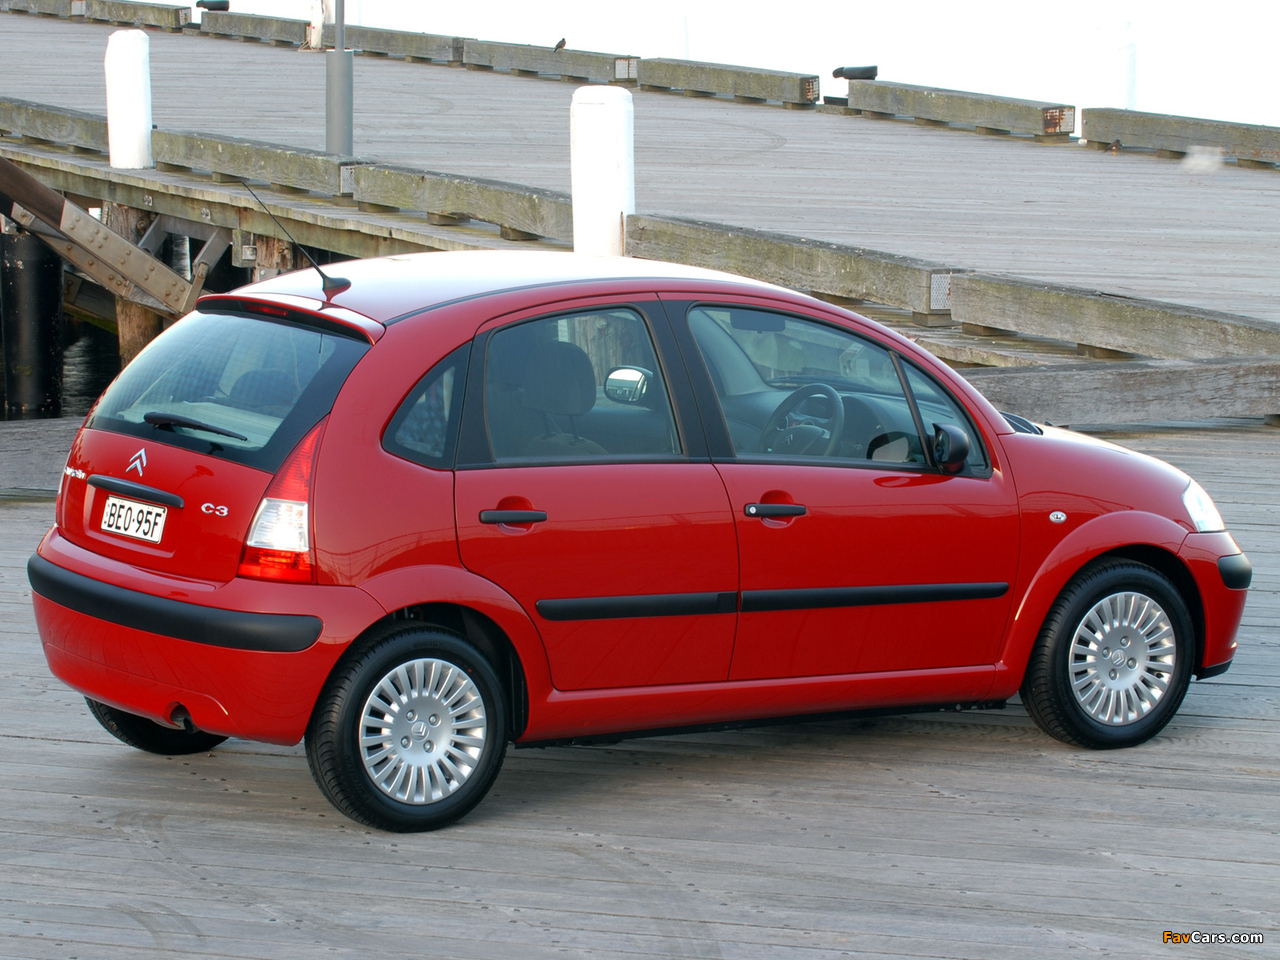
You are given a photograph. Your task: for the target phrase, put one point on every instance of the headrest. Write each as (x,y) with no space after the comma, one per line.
(560,379)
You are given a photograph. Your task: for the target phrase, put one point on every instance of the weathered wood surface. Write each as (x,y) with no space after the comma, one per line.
(167,16)
(541,213)
(48,8)
(1146,327)
(136,324)
(302,169)
(250,26)
(1035,117)
(1072,216)
(930,836)
(399,43)
(749,83)
(1157,131)
(1135,392)
(523,58)
(826,268)
(75,128)
(312,220)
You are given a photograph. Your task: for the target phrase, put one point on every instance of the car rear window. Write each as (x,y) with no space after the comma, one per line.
(245,389)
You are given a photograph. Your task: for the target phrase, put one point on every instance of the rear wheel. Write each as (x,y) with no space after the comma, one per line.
(1114,658)
(410,732)
(148,735)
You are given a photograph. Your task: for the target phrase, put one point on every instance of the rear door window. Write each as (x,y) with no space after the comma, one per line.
(245,389)
(580,386)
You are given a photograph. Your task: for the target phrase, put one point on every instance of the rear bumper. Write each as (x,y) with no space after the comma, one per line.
(241,630)
(249,660)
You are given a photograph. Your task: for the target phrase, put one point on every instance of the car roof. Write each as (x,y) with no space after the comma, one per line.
(387,288)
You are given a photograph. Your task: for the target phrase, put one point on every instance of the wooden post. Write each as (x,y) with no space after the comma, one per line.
(138,325)
(274,257)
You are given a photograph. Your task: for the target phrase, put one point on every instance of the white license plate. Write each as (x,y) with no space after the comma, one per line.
(142,521)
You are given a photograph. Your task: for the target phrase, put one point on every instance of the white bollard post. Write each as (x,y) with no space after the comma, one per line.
(601,168)
(315,29)
(128,68)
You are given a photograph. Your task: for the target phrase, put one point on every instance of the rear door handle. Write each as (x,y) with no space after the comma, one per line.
(762,510)
(513,516)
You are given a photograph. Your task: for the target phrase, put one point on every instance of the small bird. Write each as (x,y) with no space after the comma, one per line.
(1115,146)
(559,46)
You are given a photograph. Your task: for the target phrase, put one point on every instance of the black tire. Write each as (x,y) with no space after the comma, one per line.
(148,735)
(1126,677)
(427,772)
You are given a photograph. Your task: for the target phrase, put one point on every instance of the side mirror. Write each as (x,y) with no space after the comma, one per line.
(627,384)
(950,447)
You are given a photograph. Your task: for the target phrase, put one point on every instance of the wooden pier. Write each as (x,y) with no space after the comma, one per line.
(1029,252)
(929,836)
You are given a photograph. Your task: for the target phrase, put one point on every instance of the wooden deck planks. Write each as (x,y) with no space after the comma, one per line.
(921,836)
(1126,223)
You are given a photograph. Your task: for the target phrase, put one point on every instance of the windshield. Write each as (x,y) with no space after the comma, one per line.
(242,388)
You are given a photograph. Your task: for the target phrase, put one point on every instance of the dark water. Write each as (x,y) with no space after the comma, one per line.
(90,362)
(88,367)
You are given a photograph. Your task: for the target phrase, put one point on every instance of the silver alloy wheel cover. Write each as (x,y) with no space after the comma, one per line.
(422,731)
(1122,658)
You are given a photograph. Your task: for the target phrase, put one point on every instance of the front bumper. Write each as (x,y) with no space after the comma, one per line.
(1222,574)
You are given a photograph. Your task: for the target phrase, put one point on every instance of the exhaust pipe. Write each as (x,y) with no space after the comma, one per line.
(181,717)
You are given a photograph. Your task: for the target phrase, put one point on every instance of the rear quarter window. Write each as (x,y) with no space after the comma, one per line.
(252,386)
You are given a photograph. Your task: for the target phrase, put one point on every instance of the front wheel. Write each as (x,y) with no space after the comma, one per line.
(148,735)
(409,733)
(1114,658)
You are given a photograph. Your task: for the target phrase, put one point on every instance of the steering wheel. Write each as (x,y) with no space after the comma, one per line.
(779,437)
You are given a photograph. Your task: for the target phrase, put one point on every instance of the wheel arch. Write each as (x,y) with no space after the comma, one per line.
(1143,537)
(482,614)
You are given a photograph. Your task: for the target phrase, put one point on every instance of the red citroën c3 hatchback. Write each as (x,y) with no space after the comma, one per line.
(474,498)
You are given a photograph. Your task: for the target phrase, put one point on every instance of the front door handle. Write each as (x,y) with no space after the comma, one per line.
(513,516)
(763,510)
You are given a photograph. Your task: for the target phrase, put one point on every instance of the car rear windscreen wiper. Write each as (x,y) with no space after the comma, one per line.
(171,420)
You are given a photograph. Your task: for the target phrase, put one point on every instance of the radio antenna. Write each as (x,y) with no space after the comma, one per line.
(328,284)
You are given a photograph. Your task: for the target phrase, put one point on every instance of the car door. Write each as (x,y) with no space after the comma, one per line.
(583,489)
(858,553)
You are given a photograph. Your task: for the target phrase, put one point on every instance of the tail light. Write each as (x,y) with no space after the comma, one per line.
(280,545)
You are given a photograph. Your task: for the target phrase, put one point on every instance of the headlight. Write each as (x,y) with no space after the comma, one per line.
(1203,513)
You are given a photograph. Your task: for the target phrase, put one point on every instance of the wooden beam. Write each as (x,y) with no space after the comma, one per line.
(1148,328)
(248,26)
(727,80)
(979,110)
(165,16)
(529,60)
(1137,392)
(74,128)
(1158,131)
(399,43)
(49,8)
(235,157)
(530,210)
(137,325)
(828,268)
